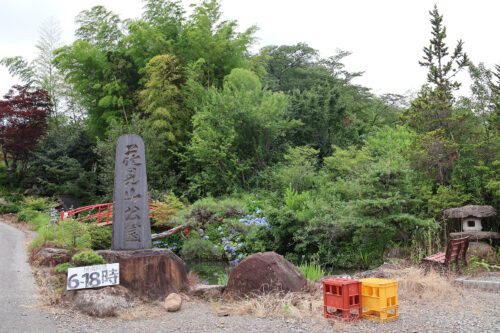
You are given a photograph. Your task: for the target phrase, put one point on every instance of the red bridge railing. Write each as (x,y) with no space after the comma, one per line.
(102,213)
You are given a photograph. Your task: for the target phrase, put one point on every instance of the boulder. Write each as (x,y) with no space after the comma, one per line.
(101,302)
(173,302)
(482,250)
(321,279)
(265,272)
(150,273)
(208,291)
(67,202)
(49,256)
(382,272)
(34,190)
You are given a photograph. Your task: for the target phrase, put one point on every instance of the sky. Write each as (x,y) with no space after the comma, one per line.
(386,37)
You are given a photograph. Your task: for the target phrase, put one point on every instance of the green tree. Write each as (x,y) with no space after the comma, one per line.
(443,69)
(159,178)
(41,73)
(99,27)
(324,118)
(104,81)
(432,114)
(62,162)
(237,132)
(222,48)
(165,16)
(161,100)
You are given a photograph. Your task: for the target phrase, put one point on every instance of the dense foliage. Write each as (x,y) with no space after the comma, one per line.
(278,150)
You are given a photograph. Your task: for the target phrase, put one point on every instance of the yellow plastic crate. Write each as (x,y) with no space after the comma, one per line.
(380,298)
(382,316)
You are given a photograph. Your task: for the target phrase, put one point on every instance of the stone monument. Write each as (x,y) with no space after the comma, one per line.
(146,272)
(131,226)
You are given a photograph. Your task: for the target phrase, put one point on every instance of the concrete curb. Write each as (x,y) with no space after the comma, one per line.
(480,284)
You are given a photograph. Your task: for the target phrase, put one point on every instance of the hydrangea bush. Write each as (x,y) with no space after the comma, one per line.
(221,236)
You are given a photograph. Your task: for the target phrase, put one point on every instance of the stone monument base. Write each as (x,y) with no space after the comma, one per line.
(152,273)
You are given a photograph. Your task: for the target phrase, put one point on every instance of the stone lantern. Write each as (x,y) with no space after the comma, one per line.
(470,217)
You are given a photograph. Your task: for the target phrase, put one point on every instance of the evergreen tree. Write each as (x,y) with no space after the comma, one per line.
(432,114)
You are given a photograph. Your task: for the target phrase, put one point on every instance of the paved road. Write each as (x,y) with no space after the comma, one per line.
(17,287)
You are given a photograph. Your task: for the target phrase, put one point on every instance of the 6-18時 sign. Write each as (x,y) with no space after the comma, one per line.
(93,276)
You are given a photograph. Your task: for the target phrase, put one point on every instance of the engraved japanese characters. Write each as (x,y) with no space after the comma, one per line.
(131,226)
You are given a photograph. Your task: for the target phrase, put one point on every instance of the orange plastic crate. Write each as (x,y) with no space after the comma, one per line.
(342,299)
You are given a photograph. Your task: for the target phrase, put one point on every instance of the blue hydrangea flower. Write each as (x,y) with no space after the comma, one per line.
(206,237)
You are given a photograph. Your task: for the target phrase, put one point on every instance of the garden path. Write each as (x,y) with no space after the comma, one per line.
(18,292)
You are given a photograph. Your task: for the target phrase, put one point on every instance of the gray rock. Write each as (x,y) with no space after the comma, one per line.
(321,279)
(102,302)
(151,273)
(49,256)
(382,272)
(482,250)
(173,302)
(209,291)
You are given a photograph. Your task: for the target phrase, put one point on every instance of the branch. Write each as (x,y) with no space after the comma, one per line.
(168,232)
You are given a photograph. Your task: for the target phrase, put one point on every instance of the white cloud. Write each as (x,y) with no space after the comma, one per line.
(385,36)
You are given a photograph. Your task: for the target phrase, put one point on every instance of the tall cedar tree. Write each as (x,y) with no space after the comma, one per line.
(432,114)
(23,119)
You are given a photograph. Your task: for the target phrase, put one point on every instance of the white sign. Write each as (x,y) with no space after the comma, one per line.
(93,276)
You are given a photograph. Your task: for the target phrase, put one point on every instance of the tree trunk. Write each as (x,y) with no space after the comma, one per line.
(168,232)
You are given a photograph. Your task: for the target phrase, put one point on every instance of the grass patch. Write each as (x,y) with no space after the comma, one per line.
(311,271)
(415,283)
(46,234)
(27,214)
(277,304)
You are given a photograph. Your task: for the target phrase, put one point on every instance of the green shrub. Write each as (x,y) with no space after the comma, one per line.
(41,204)
(39,221)
(223,279)
(311,271)
(100,237)
(46,234)
(87,258)
(27,214)
(15,197)
(9,208)
(73,235)
(63,268)
(173,242)
(195,248)
(209,209)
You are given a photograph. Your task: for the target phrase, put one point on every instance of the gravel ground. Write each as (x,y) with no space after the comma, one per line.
(472,311)
(475,311)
